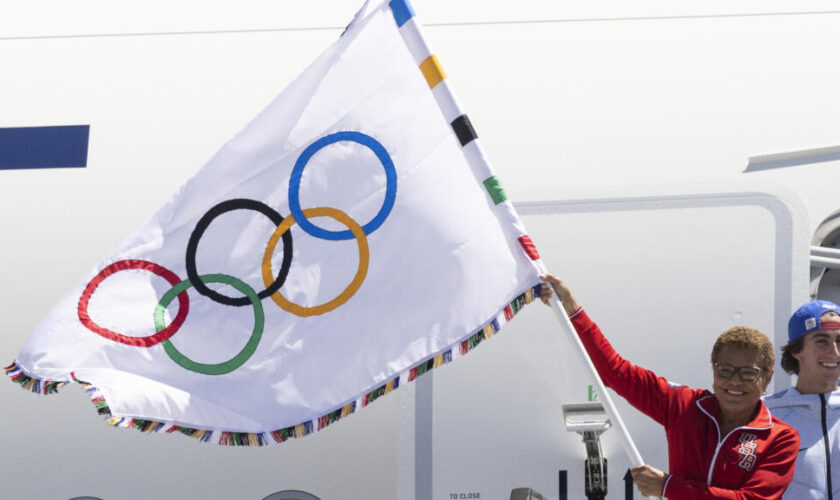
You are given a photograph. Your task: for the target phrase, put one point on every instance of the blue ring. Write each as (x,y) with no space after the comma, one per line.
(297,173)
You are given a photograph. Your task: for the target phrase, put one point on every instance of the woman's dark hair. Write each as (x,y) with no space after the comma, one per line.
(745,337)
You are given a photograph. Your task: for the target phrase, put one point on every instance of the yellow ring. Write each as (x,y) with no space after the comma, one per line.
(344,296)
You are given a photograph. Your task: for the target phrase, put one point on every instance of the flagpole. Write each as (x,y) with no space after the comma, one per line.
(604,396)
(605,399)
(436,78)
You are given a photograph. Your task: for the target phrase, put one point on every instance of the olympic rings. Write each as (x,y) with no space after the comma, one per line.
(344,296)
(192,246)
(297,173)
(244,354)
(122,265)
(272,283)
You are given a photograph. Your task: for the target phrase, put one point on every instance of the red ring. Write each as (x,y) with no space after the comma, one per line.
(122,265)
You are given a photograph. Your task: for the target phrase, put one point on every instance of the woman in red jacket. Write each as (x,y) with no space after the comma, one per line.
(721,444)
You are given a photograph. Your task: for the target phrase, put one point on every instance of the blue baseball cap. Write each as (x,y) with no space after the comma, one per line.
(806,319)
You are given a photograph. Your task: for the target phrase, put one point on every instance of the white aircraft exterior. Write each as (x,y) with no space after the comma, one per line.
(674,163)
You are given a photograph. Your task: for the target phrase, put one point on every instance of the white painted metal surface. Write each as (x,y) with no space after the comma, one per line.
(600,121)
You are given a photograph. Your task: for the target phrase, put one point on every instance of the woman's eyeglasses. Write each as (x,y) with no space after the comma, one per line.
(747,373)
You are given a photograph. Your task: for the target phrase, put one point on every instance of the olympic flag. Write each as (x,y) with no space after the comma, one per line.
(348,240)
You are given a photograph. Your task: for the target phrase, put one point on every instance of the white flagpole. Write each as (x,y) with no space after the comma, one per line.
(430,67)
(604,396)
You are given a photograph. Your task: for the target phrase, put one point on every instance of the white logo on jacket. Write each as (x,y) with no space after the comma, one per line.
(747,451)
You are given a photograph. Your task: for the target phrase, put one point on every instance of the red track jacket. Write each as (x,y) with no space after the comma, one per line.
(753,462)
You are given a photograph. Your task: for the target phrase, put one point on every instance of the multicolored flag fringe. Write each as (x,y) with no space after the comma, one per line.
(350,239)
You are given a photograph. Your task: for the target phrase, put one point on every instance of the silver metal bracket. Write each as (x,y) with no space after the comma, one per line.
(590,421)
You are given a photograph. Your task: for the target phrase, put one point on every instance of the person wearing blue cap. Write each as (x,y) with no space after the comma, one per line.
(812,406)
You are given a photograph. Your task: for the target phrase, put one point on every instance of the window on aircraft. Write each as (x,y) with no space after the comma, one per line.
(825,259)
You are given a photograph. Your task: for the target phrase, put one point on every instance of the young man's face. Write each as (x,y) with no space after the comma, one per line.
(819,359)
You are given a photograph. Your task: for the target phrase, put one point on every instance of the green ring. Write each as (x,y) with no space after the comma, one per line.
(244,354)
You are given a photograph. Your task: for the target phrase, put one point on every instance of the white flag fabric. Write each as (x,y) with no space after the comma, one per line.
(345,242)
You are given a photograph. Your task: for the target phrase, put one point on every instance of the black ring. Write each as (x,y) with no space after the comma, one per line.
(201,226)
